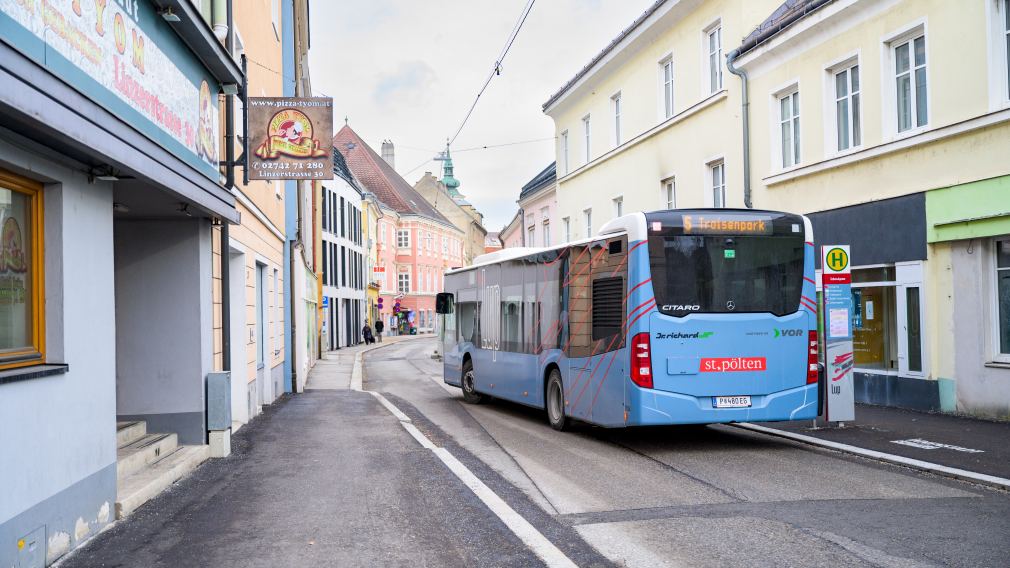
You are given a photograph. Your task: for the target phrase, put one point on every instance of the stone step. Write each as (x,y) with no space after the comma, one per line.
(129,432)
(143,451)
(140,487)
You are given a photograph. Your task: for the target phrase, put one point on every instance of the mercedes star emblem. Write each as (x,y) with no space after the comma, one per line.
(731,305)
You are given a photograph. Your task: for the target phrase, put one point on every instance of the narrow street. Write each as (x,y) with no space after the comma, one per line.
(330,478)
(700,496)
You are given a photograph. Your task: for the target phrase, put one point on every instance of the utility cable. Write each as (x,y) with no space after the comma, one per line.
(497,67)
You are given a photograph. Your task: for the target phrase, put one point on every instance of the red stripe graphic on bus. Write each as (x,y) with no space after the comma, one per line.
(649,304)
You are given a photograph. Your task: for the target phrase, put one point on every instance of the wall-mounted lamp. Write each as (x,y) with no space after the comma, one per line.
(168,15)
(120,208)
(184,209)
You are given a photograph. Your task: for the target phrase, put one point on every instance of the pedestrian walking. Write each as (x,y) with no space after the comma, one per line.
(379,326)
(366,333)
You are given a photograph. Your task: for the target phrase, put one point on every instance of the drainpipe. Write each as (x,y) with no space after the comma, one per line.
(229,127)
(221,20)
(745,116)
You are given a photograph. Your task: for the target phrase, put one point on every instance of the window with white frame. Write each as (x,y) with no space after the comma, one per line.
(910,82)
(445,245)
(587,215)
(666,90)
(566,228)
(531,239)
(670,193)
(1002,250)
(545,219)
(615,103)
(587,131)
(564,152)
(848,132)
(714,49)
(717,181)
(1005,6)
(789,128)
(618,206)
(275,17)
(403,238)
(403,282)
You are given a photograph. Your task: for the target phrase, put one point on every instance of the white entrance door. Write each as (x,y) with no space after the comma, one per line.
(911,317)
(910,326)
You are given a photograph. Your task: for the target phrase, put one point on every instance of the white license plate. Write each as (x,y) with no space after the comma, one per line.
(731,401)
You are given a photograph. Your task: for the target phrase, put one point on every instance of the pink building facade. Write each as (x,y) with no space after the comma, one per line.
(538,206)
(415,244)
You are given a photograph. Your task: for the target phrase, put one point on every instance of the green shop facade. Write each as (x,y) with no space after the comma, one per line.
(968,231)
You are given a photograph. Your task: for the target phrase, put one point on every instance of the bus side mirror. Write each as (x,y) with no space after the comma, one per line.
(443,303)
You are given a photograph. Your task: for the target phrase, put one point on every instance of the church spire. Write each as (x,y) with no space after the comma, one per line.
(451,183)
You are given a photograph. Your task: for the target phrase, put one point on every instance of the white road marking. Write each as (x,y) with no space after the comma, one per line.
(954,472)
(389,406)
(927,445)
(531,537)
(421,438)
(534,539)
(356,372)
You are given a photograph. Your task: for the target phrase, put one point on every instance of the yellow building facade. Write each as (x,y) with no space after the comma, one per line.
(256,245)
(653,121)
(888,122)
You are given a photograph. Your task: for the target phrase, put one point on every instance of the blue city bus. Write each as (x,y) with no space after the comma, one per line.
(668,317)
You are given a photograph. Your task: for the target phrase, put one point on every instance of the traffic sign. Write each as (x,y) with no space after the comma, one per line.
(836,283)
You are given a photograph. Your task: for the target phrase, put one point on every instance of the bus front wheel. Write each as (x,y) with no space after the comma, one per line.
(556,401)
(470,395)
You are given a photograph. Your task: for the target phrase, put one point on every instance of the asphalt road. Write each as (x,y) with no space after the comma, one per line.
(697,496)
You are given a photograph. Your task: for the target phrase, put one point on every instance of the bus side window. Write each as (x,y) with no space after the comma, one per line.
(450,318)
(467,320)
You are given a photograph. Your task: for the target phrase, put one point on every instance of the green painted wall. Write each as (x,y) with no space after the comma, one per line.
(968,211)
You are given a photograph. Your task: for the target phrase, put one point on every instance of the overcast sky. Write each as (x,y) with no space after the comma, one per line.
(408,71)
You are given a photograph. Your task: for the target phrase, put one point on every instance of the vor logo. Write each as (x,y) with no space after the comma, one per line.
(788,332)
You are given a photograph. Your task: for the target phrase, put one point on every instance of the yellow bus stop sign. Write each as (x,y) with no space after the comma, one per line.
(837,259)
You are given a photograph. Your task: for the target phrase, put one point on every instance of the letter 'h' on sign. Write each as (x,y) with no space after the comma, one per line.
(836,283)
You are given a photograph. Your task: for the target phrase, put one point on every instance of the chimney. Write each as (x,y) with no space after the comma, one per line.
(387,153)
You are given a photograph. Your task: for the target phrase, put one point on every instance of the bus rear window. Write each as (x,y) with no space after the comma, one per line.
(727,273)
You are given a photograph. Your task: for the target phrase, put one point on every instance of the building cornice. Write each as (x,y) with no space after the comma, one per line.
(886,148)
(615,50)
(257,212)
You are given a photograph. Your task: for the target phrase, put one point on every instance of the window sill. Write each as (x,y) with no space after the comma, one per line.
(31,372)
(997,365)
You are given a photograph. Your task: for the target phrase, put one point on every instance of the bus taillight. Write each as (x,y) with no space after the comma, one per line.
(641,361)
(812,359)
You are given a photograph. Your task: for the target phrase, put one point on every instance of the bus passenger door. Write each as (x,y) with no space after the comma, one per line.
(451,357)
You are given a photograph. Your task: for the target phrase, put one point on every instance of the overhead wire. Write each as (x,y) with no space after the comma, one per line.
(496,70)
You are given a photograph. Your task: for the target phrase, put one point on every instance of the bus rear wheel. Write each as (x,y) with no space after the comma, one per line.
(470,395)
(556,401)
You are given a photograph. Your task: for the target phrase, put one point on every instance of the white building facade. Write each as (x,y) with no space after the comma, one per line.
(344,259)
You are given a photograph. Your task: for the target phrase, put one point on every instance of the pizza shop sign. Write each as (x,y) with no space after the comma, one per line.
(290,138)
(123,48)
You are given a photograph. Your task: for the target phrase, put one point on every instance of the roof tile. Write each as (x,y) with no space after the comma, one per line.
(380,178)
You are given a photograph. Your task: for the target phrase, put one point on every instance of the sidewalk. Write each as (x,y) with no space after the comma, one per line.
(324,478)
(335,369)
(975,445)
